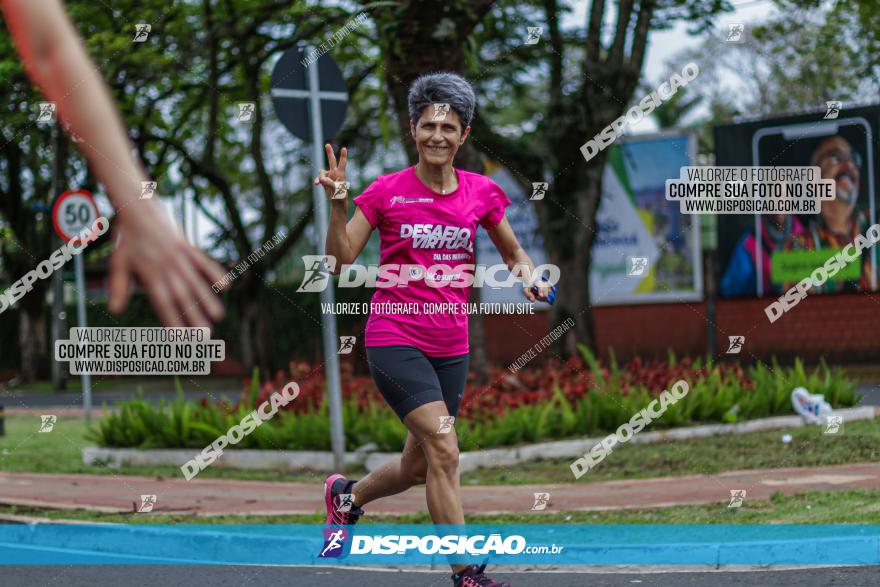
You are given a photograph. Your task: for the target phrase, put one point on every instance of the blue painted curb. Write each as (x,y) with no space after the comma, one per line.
(579,544)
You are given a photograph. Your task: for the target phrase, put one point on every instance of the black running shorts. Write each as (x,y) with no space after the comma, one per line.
(407,378)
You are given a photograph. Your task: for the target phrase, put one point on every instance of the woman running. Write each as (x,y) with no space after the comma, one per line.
(426,215)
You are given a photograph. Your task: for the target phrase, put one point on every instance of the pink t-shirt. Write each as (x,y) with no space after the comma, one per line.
(420,226)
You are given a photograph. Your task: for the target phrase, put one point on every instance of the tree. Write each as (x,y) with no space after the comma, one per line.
(784,65)
(409,34)
(248,169)
(177,92)
(855,30)
(25,194)
(675,109)
(590,80)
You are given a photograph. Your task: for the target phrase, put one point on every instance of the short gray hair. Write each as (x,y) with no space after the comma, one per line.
(441,88)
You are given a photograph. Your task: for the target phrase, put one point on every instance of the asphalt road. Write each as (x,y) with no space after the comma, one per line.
(111,574)
(197,576)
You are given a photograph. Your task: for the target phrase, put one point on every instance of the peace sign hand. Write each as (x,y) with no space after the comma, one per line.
(333,179)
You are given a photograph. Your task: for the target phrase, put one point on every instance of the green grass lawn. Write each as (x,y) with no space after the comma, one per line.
(859,442)
(858,506)
(24,449)
(60,451)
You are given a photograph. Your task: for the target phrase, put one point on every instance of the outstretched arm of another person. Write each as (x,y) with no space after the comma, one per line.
(175,275)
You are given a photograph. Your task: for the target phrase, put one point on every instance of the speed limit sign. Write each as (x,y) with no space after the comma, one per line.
(74,212)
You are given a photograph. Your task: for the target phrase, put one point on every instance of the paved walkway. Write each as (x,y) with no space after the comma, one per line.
(212,496)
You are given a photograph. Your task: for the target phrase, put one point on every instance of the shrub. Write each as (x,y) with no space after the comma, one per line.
(581,397)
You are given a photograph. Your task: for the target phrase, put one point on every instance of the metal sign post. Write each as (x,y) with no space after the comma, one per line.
(73,212)
(297,91)
(81,319)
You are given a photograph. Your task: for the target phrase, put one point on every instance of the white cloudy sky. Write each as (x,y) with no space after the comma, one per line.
(663,45)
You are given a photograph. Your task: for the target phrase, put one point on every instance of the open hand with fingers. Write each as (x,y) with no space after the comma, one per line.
(175,275)
(333,179)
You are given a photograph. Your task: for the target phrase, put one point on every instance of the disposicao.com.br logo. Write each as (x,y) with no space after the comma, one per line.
(431,544)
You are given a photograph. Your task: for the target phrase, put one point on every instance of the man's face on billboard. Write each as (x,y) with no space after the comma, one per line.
(777,220)
(836,159)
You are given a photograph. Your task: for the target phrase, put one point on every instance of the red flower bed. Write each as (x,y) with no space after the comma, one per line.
(535,385)
(311,381)
(506,390)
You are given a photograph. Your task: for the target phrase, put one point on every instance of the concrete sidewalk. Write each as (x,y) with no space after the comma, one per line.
(119,493)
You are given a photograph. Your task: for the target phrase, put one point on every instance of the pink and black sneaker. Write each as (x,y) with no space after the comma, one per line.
(341,510)
(473,576)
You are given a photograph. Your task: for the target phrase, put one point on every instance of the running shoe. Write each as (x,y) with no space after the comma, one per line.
(473,576)
(335,486)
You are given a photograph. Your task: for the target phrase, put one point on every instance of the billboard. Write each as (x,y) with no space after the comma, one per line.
(765,254)
(645,250)
(634,220)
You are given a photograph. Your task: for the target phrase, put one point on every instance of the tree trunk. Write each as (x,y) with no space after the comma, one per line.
(254,333)
(570,242)
(245,333)
(479,363)
(32,335)
(266,359)
(468,158)
(59,368)
(415,53)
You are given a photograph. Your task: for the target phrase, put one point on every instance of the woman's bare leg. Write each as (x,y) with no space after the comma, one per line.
(441,453)
(428,457)
(394,476)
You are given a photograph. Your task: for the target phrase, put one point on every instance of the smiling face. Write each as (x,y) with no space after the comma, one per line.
(835,157)
(776,220)
(438,140)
